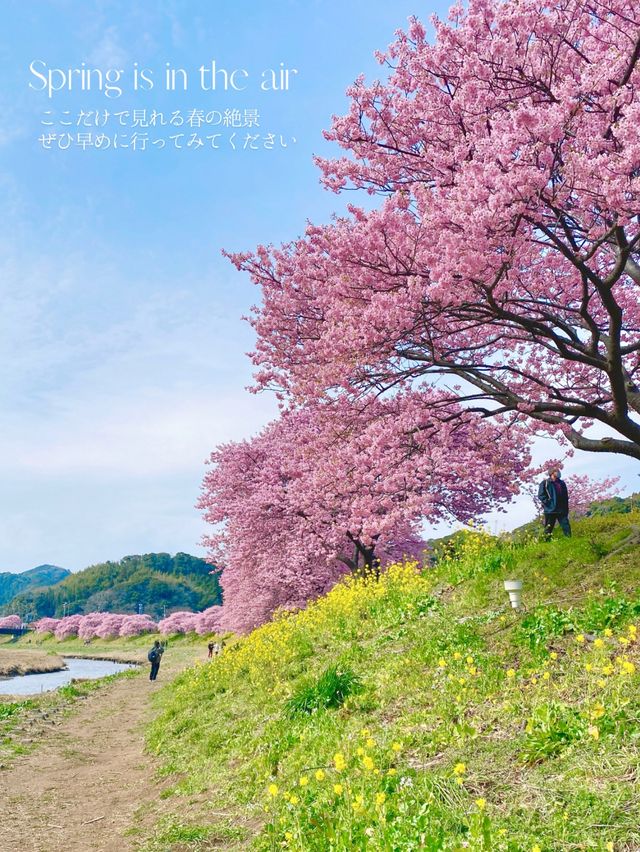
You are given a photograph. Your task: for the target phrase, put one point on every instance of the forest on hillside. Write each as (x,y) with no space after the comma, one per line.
(154,583)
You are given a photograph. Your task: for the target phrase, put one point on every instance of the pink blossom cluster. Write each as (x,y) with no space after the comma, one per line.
(504,254)
(104,625)
(327,489)
(11,622)
(68,627)
(209,621)
(178,622)
(203,623)
(134,625)
(45,625)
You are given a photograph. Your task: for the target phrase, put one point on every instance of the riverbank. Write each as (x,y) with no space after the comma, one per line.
(78,776)
(19,661)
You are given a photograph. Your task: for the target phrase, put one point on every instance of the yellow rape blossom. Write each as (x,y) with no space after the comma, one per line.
(339,761)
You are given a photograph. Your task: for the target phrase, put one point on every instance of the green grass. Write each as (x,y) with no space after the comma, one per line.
(472,726)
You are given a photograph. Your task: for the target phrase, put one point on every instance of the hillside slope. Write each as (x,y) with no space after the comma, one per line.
(43,575)
(150,583)
(448,719)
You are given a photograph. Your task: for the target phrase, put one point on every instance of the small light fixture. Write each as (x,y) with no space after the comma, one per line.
(514,587)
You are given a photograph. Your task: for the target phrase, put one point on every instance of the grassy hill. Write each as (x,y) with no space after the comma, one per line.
(152,583)
(421,712)
(44,575)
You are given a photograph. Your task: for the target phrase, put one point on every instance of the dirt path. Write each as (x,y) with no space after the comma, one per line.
(79,789)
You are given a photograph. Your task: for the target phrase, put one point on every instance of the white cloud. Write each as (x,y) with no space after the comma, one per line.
(152,433)
(108,52)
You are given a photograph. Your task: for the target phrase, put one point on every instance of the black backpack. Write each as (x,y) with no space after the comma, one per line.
(152,656)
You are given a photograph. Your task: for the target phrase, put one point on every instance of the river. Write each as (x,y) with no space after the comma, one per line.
(77,667)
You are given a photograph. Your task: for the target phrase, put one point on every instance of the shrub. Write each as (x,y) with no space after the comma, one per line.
(550,729)
(543,624)
(330,690)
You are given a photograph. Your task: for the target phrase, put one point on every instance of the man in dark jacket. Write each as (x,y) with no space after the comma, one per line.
(155,655)
(554,497)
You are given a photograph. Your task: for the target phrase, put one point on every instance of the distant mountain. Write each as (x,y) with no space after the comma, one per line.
(44,575)
(154,583)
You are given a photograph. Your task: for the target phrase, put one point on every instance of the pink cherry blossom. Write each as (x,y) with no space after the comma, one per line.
(502,263)
(329,489)
(45,625)
(178,622)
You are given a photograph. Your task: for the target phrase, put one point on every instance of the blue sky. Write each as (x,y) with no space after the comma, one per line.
(122,358)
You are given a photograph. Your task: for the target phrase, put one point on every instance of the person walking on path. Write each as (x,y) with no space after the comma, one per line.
(554,497)
(155,655)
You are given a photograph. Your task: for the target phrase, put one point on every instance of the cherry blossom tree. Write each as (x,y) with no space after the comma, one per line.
(325,490)
(45,625)
(135,625)
(68,627)
(11,622)
(109,626)
(178,622)
(209,621)
(583,491)
(88,628)
(503,261)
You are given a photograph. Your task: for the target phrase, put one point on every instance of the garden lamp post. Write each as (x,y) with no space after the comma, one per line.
(514,589)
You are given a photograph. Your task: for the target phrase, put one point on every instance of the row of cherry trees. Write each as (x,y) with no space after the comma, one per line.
(492,295)
(110,625)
